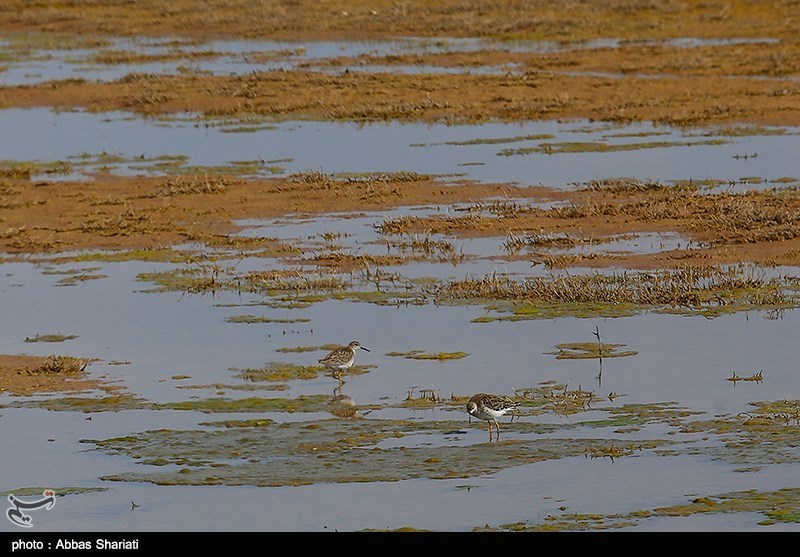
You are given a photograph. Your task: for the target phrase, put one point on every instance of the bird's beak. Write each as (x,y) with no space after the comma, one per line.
(367,349)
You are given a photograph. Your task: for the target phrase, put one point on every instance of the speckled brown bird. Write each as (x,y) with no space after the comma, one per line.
(490,407)
(342,358)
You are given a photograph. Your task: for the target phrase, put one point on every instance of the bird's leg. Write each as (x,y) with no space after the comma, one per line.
(497,428)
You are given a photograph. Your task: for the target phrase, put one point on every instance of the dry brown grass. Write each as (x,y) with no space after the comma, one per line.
(57,364)
(684,287)
(430,97)
(537,19)
(187,185)
(714,218)
(293,281)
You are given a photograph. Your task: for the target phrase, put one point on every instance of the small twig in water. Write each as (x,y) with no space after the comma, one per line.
(600,354)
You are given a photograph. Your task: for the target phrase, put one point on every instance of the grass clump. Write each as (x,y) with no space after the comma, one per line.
(694,288)
(193,184)
(58,364)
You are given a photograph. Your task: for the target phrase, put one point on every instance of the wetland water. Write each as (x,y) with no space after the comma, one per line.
(202,437)
(500,152)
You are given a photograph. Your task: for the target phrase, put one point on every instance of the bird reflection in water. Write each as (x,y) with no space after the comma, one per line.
(343,406)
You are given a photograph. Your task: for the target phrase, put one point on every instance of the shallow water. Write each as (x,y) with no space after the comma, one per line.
(173,341)
(34,58)
(451,151)
(173,347)
(33,63)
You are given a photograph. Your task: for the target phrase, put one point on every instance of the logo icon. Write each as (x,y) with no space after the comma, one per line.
(16,513)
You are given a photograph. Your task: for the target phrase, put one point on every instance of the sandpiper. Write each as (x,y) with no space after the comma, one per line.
(490,407)
(342,358)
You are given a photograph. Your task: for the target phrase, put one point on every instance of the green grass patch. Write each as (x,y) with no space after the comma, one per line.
(280,371)
(601,147)
(261,319)
(55,337)
(422,355)
(313,403)
(590,350)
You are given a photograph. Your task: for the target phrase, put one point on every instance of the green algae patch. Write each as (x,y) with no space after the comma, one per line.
(187,280)
(285,371)
(744,131)
(500,140)
(602,147)
(155,255)
(297,349)
(400,529)
(590,350)
(567,522)
(785,180)
(422,355)
(711,312)
(553,311)
(768,434)
(54,337)
(380,298)
(74,279)
(215,278)
(262,319)
(111,403)
(314,403)
(178,167)
(26,170)
(280,371)
(58,491)
(240,423)
(634,417)
(781,506)
(119,402)
(585,310)
(324,451)
(781,515)
(221,387)
(757,377)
